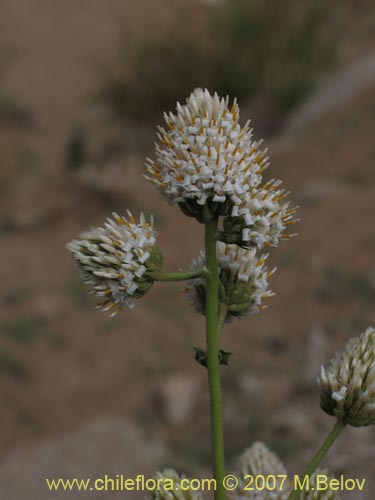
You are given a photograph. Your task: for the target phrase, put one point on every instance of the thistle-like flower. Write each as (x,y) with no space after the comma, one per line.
(210,166)
(243,281)
(169,487)
(347,383)
(118,260)
(261,219)
(258,460)
(205,157)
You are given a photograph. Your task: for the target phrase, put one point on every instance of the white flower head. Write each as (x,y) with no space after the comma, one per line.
(168,487)
(116,260)
(243,281)
(347,383)
(205,156)
(258,460)
(261,218)
(211,166)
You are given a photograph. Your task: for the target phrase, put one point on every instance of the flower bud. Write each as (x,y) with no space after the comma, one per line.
(347,383)
(118,260)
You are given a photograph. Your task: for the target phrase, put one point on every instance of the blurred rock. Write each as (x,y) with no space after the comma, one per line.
(317,337)
(118,176)
(210,3)
(23,219)
(317,190)
(297,422)
(108,446)
(338,89)
(48,305)
(178,396)
(356,444)
(269,389)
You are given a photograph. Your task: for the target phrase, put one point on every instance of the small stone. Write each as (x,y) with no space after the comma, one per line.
(178,396)
(316,350)
(108,446)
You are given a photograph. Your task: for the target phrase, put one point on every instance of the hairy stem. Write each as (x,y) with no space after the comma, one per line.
(213,366)
(179,276)
(320,454)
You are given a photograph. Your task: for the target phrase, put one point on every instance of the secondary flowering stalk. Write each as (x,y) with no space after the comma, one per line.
(213,366)
(320,454)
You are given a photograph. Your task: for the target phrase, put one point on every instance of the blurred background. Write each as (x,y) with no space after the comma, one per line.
(82,87)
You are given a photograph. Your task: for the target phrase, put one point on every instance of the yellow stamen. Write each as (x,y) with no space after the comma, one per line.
(120,221)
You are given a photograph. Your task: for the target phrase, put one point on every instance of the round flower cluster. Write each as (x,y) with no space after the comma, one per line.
(260,219)
(259,461)
(118,260)
(347,384)
(169,488)
(243,281)
(210,166)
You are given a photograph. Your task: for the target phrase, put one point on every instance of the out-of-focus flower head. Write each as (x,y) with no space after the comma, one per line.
(168,487)
(117,260)
(259,461)
(243,281)
(347,383)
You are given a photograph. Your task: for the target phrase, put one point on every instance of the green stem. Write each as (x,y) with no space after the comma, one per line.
(180,276)
(222,314)
(213,366)
(332,436)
